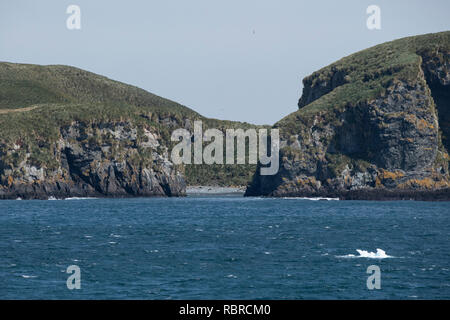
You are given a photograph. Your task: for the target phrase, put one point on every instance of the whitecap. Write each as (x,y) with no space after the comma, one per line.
(80,198)
(115,235)
(380,254)
(27,276)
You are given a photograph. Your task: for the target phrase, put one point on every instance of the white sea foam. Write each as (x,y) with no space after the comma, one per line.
(52,198)
(80,198)
(27,276)
(115,235)
(380,254)
(19,198)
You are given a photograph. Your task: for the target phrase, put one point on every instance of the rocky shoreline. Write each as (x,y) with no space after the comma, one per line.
(368,194)
(61,190)
(371,126)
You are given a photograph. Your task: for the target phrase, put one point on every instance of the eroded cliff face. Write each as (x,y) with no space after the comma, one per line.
(316,86)
(92,160)
(394,146)
(67,132)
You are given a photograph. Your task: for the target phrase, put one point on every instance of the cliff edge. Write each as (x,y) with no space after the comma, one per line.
(67,132)
(373,125)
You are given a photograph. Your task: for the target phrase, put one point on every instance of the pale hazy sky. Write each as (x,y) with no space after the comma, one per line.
(237,60)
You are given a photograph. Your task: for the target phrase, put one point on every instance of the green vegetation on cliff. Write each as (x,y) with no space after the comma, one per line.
(36,102)
(374,122)
(368,73)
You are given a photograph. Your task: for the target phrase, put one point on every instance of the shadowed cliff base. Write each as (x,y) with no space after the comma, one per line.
(370,194)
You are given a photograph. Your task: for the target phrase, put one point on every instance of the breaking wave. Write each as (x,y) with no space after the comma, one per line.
(380,254)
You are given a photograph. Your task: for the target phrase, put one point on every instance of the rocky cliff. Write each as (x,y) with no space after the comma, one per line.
(373,125)
(91,160)
(66,132)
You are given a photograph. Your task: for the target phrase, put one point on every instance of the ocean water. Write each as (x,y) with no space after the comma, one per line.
(224,248)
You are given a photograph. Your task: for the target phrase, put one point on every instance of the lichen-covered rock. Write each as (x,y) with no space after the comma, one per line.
(67,132)
(390,142)
(94,160)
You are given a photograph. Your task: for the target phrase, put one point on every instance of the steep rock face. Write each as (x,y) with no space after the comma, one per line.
(436,66)
(92,160)
(67,132)
(316,86)
(391,145)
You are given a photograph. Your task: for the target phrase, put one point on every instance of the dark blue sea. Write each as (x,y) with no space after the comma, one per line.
(225,247)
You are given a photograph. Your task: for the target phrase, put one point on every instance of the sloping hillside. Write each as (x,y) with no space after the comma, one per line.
(68,132)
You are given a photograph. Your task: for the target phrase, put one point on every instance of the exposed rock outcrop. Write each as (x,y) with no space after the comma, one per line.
(316,86)
(391,143)
(67,132)
(93,160)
